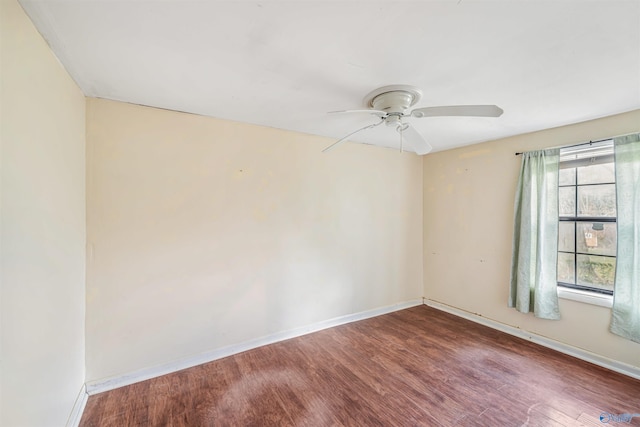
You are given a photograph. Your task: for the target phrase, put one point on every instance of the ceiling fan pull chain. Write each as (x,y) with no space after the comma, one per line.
(401,128)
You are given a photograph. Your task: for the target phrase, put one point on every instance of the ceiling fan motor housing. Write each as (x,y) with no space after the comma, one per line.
(393,99)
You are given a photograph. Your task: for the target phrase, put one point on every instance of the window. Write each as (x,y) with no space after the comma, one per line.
(587,231)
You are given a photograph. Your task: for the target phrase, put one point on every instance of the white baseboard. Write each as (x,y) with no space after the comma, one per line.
(588,356)
(102,385)
(78,408)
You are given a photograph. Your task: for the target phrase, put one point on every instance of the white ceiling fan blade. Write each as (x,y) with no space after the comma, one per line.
(413,138)
(343,139)
(459,110)
(378,113)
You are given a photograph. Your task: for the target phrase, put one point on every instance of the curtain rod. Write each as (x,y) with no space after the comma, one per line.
(576,145)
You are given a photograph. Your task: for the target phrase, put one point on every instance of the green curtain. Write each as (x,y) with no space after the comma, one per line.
(535,238)
(625,319)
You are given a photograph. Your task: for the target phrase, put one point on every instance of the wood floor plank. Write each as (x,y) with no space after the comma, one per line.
(549,412)
(415,367)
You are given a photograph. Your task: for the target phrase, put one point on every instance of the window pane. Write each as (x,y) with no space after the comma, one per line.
(598,238)
(567,201)
(597,200)
(566,236)
(596,174)
(596,271)
(567,177)
(566,272)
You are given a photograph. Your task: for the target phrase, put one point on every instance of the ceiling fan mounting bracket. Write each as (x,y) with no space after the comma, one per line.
(393,99)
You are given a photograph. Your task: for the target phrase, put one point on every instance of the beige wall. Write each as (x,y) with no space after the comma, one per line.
(42,229)
(468,219)
(205,233)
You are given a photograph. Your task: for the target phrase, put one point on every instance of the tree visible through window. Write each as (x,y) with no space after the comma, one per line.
(587,218)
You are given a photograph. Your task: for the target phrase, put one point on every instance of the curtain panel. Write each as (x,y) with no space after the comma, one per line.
(625,319)
(535,238)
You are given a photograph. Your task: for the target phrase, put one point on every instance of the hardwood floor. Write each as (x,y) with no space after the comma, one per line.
(415,367)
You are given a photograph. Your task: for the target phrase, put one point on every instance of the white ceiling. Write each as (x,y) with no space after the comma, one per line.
(284,64)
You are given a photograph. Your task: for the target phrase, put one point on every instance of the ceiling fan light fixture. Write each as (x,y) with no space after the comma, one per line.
(393,120)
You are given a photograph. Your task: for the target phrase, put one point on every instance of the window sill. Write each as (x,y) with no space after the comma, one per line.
(585,297)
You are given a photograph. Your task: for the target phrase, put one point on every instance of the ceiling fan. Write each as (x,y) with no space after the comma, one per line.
(391,105)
